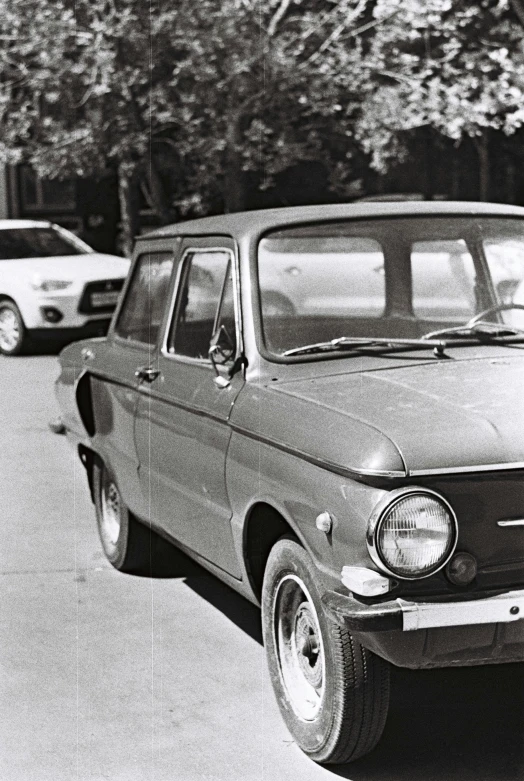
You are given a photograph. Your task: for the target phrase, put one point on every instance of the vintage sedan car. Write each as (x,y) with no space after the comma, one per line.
(355,467)
(53,285)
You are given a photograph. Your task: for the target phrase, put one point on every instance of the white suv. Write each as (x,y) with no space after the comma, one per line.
(52,284)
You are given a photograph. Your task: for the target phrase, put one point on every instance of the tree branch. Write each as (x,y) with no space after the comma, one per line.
(518,7)
(277,17)
(323,19)
(337,32)
(168,141)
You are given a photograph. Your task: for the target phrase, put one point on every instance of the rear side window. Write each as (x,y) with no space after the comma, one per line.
(143,308)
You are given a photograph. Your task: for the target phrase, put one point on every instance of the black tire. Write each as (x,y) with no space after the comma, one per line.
(129,545)
(332,692)
(13,337)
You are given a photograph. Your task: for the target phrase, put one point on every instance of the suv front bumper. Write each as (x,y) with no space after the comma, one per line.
(89,330)
(408,615)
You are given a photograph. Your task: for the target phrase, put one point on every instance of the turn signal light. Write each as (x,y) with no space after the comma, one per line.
(462,569)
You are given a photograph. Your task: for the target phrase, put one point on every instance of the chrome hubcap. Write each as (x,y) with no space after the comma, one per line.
(9,330)
(299,647)
(111,514)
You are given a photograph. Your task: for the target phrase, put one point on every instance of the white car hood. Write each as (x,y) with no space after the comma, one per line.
(88,267)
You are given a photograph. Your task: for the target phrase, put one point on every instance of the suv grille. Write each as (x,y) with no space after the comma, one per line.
(100,297)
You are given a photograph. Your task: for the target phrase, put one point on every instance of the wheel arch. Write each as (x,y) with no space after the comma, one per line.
(20,307)
(88,458)
(23,340)
(84,403)
(280,300)
(7,298)
(263,526)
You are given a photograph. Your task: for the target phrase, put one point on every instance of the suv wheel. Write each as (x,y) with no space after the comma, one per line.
(12,329)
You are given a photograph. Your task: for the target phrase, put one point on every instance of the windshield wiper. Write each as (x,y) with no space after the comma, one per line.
(459,335)
(480,330)
(350,343)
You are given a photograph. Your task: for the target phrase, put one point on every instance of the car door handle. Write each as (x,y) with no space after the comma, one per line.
(147,373)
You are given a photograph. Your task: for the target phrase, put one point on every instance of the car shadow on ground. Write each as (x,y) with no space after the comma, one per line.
(166,561)
(464,724)
(36,351)
(235,607)
(41,347)
(445,725)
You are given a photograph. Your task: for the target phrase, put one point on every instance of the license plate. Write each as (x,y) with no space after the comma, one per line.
(108,298)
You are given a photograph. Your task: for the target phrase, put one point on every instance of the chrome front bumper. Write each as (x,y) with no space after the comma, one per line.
(410,615)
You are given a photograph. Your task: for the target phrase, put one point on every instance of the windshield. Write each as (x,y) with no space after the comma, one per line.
(19,243)
(505,259)
(396,278)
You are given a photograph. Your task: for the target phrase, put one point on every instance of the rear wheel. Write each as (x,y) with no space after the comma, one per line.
(129,545)
(333,693)
(12,329)
(277,305)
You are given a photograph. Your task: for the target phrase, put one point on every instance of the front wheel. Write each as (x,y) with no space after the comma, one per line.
(332,692)
(12,329)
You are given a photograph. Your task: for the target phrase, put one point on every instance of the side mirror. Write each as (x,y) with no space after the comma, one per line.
(221,347)
(221,351)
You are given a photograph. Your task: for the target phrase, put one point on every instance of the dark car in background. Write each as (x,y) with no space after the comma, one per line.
(324,406)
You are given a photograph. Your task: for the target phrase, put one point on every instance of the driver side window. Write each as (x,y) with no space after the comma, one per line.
(142,311)
(206,280)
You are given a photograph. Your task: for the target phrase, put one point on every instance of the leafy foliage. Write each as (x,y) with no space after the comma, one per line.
(455,67)
(194,101)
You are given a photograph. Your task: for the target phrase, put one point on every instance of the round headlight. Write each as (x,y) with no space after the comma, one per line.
(412,533)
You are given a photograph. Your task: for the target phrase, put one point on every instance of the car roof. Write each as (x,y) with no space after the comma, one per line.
(6,224)
(257,221)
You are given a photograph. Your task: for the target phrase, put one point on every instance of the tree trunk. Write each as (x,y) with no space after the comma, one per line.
(455,175)
(510,182)
(482,147)
(518,7)
(158,195)
(128,196)
(235,191)
(429,168)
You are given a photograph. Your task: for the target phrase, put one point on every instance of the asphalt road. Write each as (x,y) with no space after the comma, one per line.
(108,676)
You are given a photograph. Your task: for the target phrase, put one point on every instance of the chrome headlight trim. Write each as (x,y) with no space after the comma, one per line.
(379,513)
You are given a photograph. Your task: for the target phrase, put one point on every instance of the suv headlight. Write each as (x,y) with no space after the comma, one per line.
(412,533)
(47,285)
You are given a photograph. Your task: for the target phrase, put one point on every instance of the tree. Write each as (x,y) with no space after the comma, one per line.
(81,91)
(189,104)
(208,91)
(257,92)
(454,68)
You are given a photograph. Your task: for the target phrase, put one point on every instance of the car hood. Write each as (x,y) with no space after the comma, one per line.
(442,415)
(86,267)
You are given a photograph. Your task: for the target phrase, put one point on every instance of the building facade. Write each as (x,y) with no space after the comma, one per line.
(88,208)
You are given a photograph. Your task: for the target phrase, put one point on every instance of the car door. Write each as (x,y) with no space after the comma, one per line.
(116,366)
(182,432)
